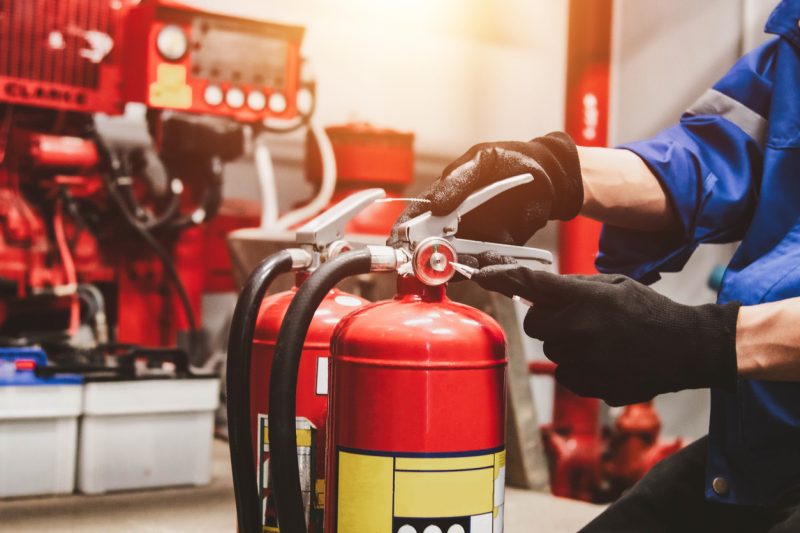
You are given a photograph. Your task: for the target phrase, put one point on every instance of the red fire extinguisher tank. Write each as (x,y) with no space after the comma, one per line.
(312,388)
(416,425)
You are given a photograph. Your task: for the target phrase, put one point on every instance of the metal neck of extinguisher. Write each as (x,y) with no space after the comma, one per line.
(427,250)
(318,240)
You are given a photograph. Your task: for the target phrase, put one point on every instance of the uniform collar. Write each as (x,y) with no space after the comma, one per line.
(785,21)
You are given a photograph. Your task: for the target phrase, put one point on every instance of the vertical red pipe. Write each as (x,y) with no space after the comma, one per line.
(577,419)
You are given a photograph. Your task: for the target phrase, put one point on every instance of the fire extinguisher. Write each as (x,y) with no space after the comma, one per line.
(251,346)
(416,419)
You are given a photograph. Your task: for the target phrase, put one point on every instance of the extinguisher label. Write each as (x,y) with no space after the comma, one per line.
(306,442)
(322,376)
(391,493)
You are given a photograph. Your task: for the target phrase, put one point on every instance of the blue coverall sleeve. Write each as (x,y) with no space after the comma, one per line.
(710,167)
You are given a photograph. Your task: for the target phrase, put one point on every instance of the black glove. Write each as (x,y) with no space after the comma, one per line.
(616,339)
(514,216)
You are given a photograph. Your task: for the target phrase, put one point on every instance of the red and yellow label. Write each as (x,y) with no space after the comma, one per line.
(395,494)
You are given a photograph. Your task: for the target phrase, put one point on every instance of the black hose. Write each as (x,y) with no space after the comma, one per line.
(283,384)
(211,199)
(171,212)
(163,255)
(240,345)
(115,167)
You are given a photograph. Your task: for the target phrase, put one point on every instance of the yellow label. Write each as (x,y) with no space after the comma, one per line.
(499,462)
(444,463)
(320,494)
(443,494)
(170,88)
(379,493)
(365,493)
(303,437)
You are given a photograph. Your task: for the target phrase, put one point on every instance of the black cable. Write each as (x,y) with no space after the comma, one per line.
(138,165)
(171,212)
(161,252)
(115,167)
(240,346)
(212,197)
(283,384)
(91,304)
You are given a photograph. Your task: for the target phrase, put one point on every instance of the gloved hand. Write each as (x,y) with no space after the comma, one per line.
(514,216)
(616,339)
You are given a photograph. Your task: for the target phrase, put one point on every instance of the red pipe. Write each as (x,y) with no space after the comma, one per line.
(573,441)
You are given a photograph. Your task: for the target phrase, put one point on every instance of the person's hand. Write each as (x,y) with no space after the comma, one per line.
(616,339)
(514,216)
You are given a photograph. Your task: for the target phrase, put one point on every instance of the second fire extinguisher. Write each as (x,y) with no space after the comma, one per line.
(416,421)
(251,346)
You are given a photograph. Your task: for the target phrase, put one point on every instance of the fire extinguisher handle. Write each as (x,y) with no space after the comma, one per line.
(533,258)
(428,225)
(330,225)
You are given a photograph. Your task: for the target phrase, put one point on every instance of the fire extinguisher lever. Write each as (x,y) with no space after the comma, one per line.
(323,235)
(427,225)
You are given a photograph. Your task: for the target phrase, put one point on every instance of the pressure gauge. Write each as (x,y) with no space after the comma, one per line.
(432,261)
(172,42)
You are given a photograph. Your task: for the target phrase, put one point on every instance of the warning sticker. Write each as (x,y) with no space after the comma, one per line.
(389,493)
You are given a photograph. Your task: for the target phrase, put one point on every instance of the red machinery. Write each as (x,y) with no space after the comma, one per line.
(585,463)
(78,210)
(62,55)
(58,66)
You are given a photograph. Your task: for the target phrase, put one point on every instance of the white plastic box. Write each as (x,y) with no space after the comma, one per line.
(146,433)
(38,438)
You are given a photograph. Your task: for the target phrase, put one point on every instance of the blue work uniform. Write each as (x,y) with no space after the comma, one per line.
(731,168)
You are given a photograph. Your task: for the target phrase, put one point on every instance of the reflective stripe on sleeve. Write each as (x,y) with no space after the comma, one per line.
(714,102)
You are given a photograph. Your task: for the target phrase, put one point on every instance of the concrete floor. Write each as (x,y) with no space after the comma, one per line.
(210,510)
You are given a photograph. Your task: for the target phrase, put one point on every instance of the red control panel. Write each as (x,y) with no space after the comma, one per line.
(209,63)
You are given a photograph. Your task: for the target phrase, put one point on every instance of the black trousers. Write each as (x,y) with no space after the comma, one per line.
(671,498)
